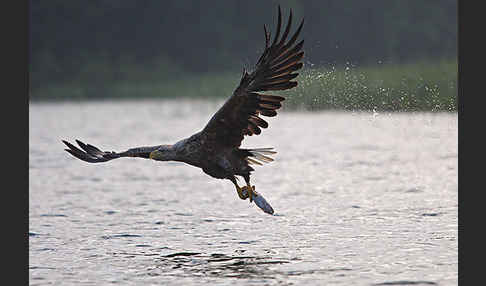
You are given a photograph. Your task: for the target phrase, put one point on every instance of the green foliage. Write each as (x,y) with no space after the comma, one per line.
(422,86)
(107,41)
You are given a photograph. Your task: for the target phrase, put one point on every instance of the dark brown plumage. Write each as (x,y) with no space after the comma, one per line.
(216,149)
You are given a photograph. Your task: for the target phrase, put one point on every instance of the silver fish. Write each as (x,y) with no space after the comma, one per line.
(259,201)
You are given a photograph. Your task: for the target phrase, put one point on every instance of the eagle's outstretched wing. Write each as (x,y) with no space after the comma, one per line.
(239,115)
(92,154)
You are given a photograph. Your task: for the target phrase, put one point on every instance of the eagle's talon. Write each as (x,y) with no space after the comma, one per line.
(250,191)
(241,193)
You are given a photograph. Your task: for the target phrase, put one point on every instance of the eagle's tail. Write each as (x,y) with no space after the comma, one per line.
(258,155)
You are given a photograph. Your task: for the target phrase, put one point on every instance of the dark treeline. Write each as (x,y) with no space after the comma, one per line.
(212,36)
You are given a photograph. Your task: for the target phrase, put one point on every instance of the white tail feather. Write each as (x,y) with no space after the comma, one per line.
(266,152)
(252,161)
(263,149)
(259,154)
(262,157)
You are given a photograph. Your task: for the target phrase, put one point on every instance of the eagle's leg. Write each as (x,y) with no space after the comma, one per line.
(239,190)
(250,190)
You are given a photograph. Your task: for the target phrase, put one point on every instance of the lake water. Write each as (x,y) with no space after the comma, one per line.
(359,199)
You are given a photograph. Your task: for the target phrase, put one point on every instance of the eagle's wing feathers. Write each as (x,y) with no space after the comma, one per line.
(240,114)
(92,154)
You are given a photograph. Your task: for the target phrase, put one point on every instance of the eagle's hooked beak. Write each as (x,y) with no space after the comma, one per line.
(154,154)
(163,153)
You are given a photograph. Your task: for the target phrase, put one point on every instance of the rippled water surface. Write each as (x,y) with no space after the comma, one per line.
(359,199)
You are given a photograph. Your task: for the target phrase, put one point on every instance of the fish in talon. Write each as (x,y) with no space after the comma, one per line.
(259,201)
